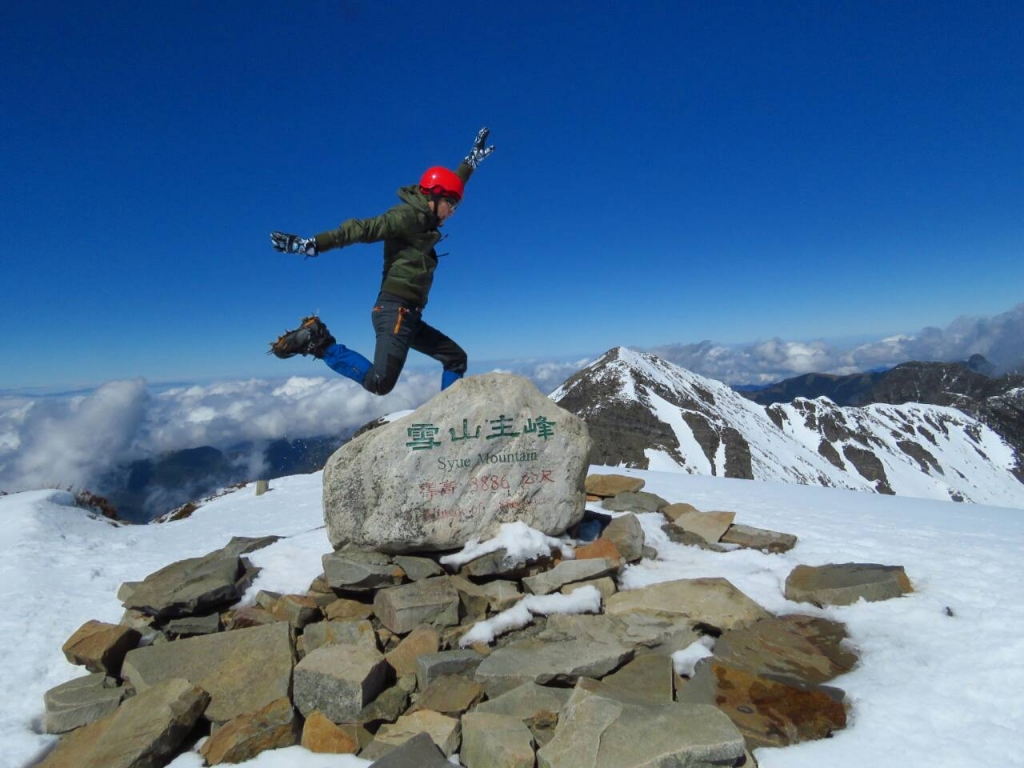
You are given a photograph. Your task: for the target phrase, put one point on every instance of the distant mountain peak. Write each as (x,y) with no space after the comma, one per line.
(646,412)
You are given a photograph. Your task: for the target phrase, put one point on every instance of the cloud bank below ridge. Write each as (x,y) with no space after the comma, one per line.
(69,441)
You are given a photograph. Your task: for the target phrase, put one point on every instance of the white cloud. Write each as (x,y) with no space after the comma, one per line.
(67,442)
(70,441)
(1000,339)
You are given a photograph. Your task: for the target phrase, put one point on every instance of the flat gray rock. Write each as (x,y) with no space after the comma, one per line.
(712,601)
(601,732)
(430,666)
(527,701)
(360,570)
(568,572)
(497,563)
(144,731)
(551,658)
(243,670)
(418,752)
(628,536)
(646,679)
(710,526)
(197,585)
(638,501)
(80,701)
(495,741)
(418,568)
(187,587)
(763,539)
(432,601)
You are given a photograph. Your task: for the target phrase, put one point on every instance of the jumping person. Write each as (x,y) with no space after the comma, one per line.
(409,232)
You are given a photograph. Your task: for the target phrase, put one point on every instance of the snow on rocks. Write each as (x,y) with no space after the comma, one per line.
(525,655)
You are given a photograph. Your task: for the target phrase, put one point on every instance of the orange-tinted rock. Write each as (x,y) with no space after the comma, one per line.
(321,735)
(273,727)
(770,711)
(805,647)
(420,641)
(597,549)
(101,647)
(604,486)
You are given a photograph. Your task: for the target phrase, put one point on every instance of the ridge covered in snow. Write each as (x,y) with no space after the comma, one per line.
(648,413)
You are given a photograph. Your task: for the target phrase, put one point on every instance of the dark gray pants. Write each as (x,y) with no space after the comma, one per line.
(399,327)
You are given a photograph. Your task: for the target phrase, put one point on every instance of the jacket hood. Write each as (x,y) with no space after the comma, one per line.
(411,195)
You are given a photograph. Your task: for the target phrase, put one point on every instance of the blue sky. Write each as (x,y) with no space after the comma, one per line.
(666,172)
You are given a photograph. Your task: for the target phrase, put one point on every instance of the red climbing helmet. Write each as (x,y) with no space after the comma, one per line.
(442,182)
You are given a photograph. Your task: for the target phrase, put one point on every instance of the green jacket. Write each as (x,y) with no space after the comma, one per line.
(409,231)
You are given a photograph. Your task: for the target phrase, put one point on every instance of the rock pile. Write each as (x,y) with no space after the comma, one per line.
(371,660)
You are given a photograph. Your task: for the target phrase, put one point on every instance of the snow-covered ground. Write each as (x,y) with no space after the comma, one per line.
(931,689)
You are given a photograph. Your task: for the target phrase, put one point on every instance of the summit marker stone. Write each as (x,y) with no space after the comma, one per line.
(489,450)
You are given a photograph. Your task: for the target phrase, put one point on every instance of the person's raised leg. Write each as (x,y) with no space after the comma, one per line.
(395,325)
(433,343)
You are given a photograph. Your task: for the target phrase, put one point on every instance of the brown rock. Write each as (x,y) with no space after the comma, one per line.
(320,586)
(319,734)
(73,750)
(444,731)
(334,632)
(604,486)
(710,526)
(348,610)
(597,549)
(803,647)
(770,711)
(246,618)
(144,731)
(273,727)
(420,641)
(101,647)
(672,511)
(450,695)
(297,610)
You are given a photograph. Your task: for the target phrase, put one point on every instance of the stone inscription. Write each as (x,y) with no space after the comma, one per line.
(514,483)
(422,437)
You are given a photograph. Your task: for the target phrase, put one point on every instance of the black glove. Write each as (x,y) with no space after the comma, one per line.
(286,243)
(478,152)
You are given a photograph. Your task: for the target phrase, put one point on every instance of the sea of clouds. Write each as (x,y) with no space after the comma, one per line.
(69,441)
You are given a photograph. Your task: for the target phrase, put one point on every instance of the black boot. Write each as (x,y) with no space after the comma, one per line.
(310,338)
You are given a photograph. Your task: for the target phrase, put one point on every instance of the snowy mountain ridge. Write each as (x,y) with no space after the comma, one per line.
(648,413)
